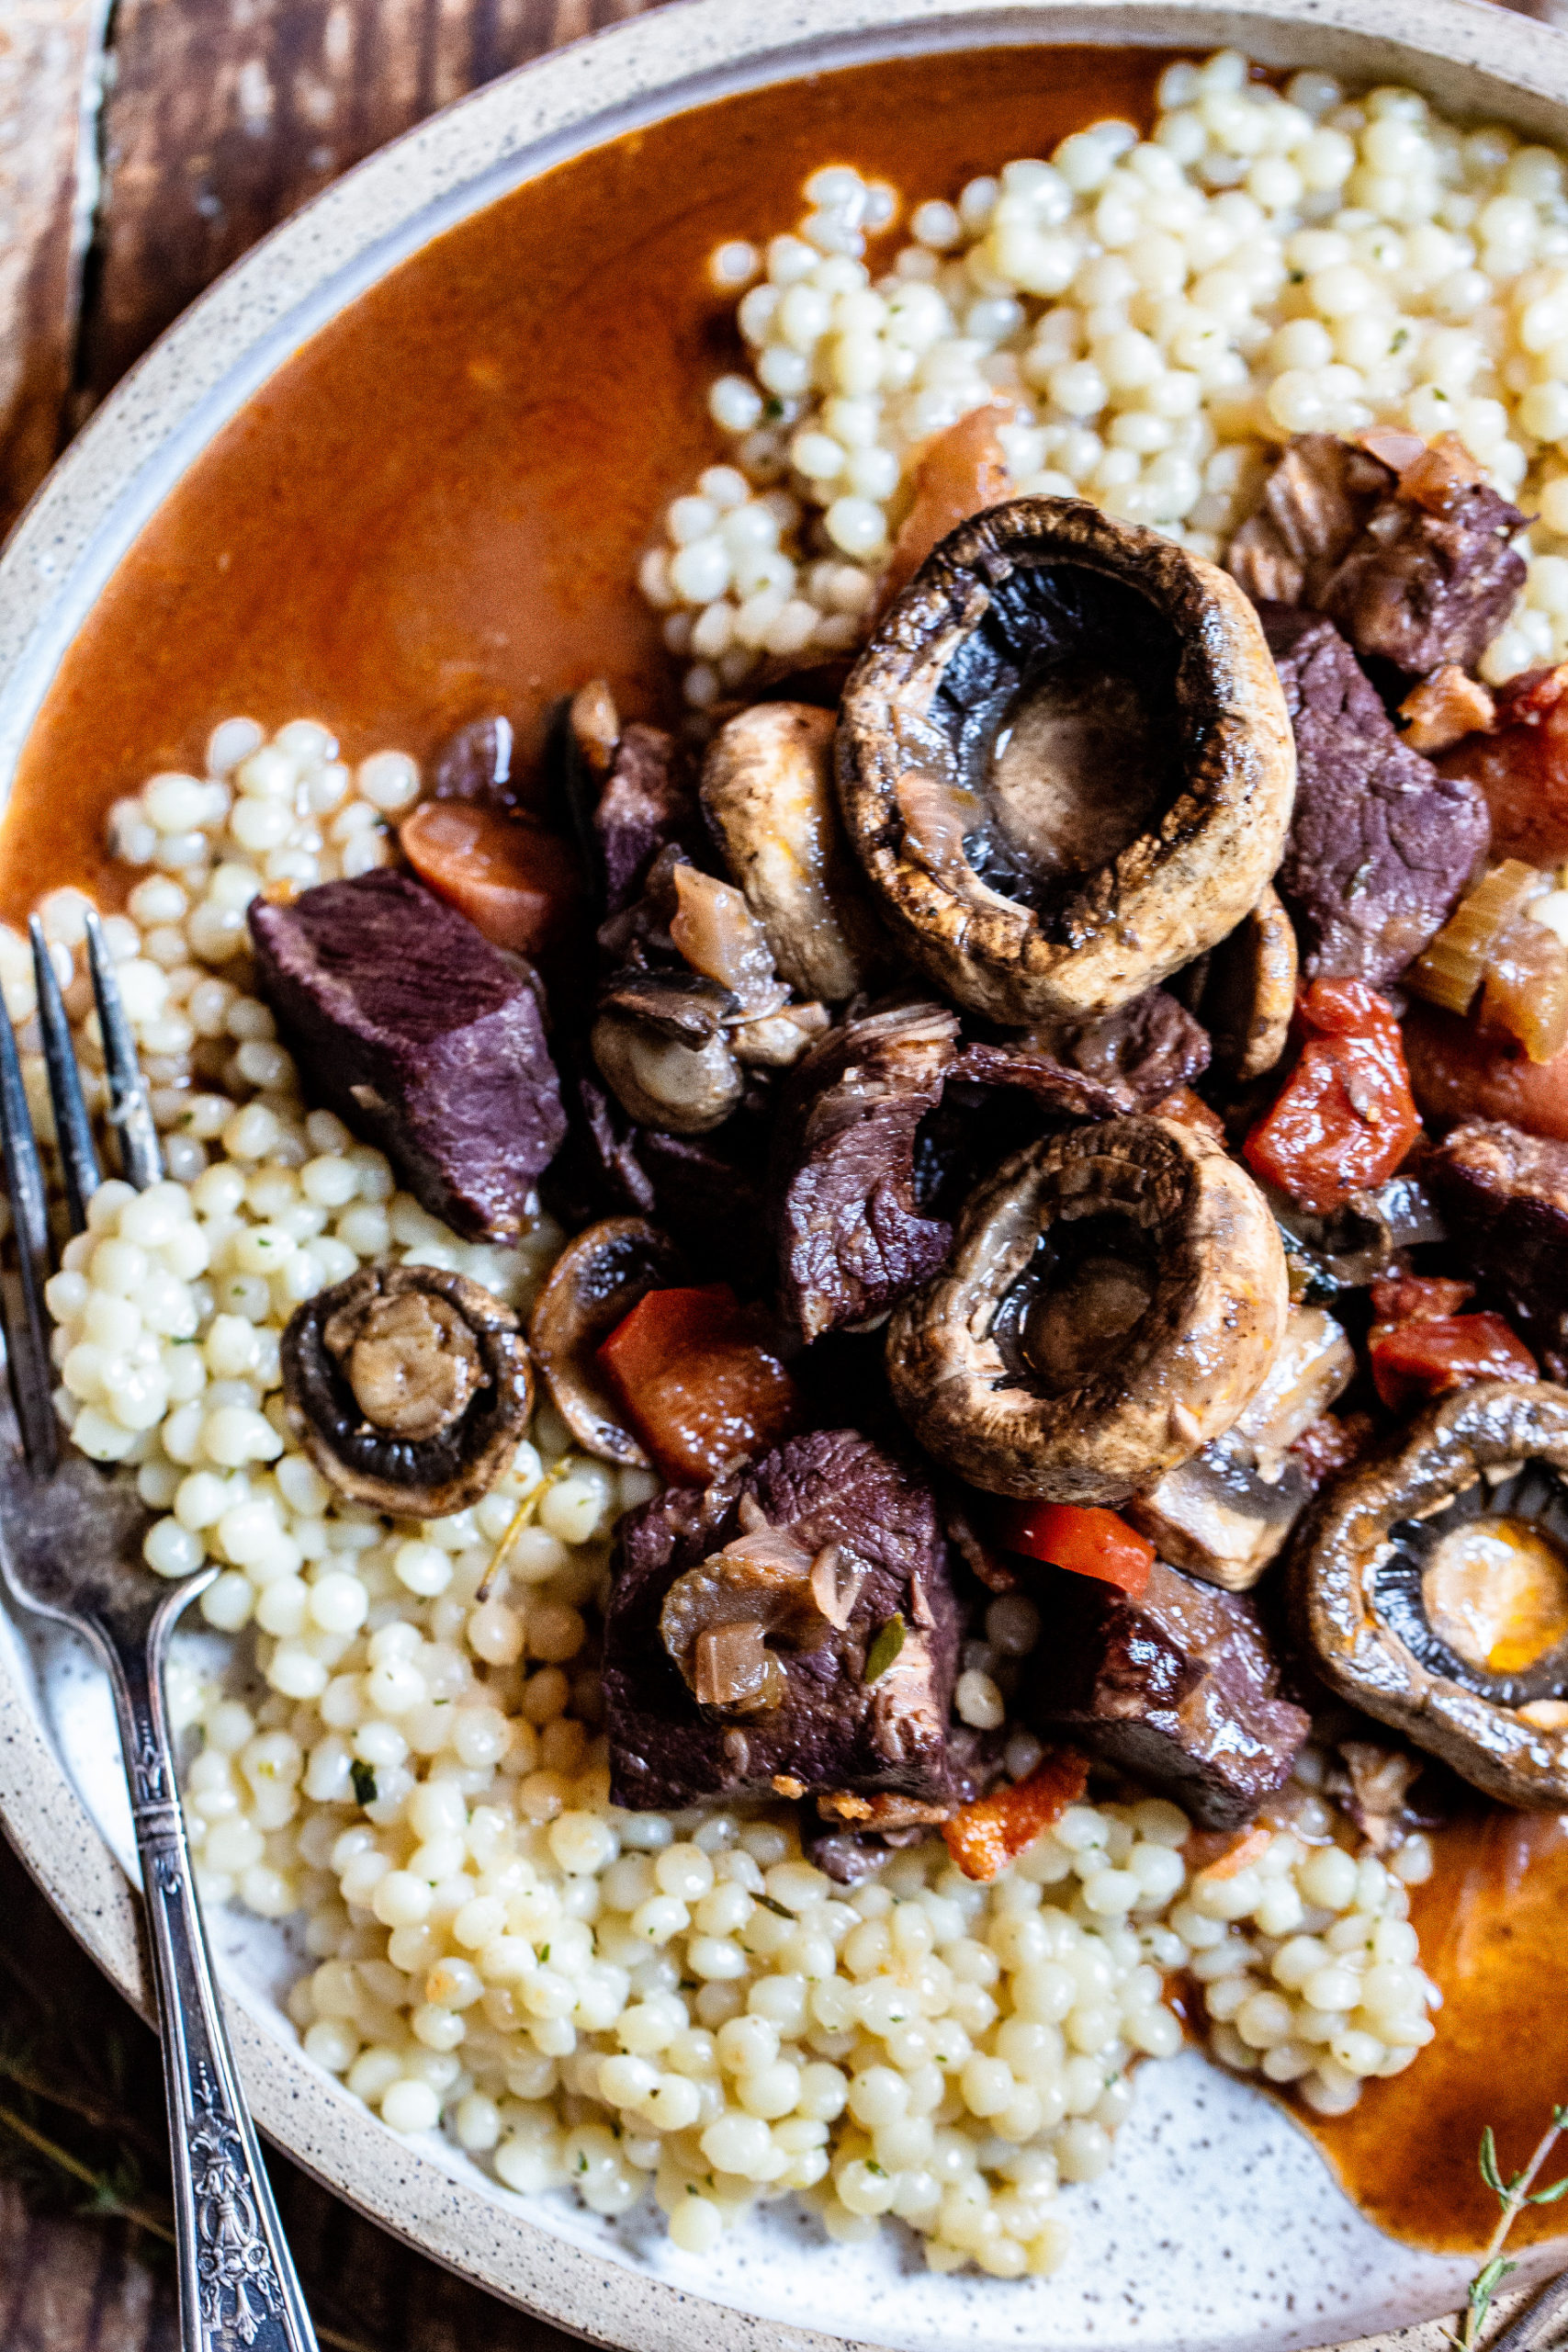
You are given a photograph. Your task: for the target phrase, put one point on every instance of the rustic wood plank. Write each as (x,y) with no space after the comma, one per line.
(226,115)
(48,49)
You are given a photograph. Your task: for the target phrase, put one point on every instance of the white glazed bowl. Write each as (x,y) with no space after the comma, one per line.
(1218,2228)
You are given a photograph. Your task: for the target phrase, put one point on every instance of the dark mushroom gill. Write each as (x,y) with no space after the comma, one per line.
(1060,708)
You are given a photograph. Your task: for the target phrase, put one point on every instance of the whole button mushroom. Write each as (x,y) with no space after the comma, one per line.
(1114,1300)
(767,793)
(1065,761)
(592,1286)
(409,1387)
(1431,1590)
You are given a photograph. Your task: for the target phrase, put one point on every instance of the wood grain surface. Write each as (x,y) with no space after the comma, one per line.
(218,117)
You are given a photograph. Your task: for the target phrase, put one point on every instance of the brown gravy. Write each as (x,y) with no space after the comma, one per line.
(1491,1920)
(435,509)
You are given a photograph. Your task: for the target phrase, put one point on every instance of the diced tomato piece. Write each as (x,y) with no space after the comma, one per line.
(1090,1542)
(699,1383)
(960,473)
(1427,1358)
(985,1836)
(518,885)
(1419,1298)
(1344,1119)
(1522,768)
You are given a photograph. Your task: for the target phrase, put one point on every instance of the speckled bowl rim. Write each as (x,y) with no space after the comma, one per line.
(1469,55)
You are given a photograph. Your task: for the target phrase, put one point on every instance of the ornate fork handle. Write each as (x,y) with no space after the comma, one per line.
(238,2288)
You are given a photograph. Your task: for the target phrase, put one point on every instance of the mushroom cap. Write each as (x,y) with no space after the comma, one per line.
(767,792)
(445,1468)
(1250,997)
(1197,1310)
(1347,1546)
(1157,662)
(592,1286)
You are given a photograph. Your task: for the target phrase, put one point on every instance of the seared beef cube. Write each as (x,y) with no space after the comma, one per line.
(647,804)
(1179,1688)
(1150,1047)
(1506,1198)
(1380,845)
(423,1036)
(1405,547)
(825,1528)
(851,1239)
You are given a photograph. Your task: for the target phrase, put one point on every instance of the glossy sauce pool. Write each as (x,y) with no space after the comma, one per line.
(1493,1920)
(434,511)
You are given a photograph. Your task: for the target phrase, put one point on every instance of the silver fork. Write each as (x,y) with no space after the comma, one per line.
(71,1548)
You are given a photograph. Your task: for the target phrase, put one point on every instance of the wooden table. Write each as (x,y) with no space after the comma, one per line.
(140,156)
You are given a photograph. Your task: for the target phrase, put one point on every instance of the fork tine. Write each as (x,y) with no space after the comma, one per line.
(130,1112)
(72,1127)
(27,1341)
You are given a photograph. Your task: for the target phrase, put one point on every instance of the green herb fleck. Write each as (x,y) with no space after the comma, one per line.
(889,1641)
(1513,2196)
(581,2163)
(364,1781)
(1400,338)
(1298,277)
(872,2166)
(772,408)
(779,1910)
(545,1954)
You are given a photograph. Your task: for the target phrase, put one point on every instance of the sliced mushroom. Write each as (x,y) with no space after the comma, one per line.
(592,1286)
(1226,1513)
(662,1083)
(767,791)
(719,1618)
(1249,994)
(1065,761)
(410,1388)
(1115,1298)
(1433,1591)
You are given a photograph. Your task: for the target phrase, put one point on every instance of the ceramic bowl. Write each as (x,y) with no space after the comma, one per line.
(1219,2226)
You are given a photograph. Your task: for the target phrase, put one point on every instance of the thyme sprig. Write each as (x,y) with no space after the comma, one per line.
(1512,2196)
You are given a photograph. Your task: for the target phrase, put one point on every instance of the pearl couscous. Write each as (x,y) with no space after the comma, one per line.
(584,1997)
(1162,314)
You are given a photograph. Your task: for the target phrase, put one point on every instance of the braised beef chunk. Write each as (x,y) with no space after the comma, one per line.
(792,1629)
(1506,1198)
(647,804)
(1098,1069)
(423,1036)
(850,1239)
(1179,1688)
(1380,845)
(1313,509)
(480,762)
(1149,1048)
(1406,547)
(707,1192)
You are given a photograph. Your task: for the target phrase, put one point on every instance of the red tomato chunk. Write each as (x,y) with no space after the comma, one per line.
(1421,1345)
(1344,1119)
(697,1382)
(1092,1543)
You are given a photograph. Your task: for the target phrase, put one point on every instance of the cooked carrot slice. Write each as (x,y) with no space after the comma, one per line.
(516,884)
(961,472)
(985,1836)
